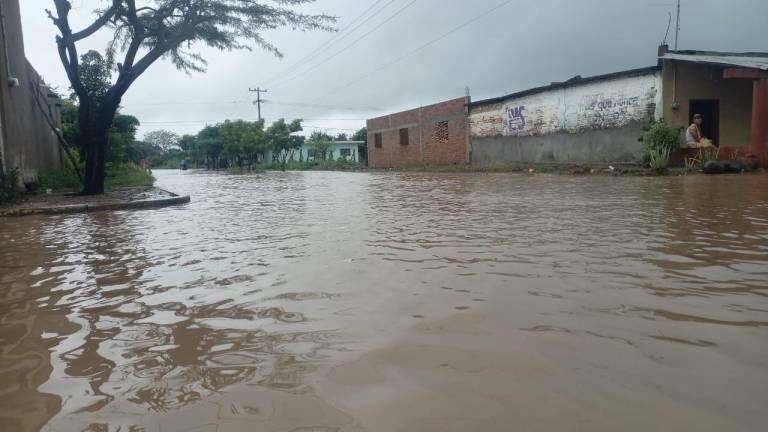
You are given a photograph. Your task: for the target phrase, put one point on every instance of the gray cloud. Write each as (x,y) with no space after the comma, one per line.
(520,45)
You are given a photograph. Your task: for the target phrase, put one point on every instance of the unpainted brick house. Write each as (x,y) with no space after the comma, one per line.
(431,135)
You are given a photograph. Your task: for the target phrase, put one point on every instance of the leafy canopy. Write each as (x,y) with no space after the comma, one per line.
(147,30)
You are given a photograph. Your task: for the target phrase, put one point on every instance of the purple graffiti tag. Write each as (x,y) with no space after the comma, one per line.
(515,118)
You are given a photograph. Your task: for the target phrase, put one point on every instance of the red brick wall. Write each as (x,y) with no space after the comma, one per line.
(428,144)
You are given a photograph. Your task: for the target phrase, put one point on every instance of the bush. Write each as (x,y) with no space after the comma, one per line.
(659,159)
(9,189)
(708,154)
(659,136)
(60,180)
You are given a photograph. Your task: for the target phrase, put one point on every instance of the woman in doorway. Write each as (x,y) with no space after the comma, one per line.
(693,134)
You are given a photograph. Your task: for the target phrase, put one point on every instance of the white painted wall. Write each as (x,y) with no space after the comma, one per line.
(605,104)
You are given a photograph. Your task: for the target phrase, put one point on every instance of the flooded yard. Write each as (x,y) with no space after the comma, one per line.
(325,301)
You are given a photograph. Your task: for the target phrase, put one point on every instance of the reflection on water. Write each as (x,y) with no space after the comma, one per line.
(332,301)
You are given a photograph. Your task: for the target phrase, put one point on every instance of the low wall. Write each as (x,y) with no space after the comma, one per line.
(604,145)
(596,119)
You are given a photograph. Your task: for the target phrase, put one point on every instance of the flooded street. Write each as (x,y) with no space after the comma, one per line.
(321,301)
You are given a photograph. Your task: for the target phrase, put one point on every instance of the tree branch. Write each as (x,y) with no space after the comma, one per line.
(66,47)
(99,23)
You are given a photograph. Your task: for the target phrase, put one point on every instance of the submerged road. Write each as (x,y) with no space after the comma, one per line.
(325,301)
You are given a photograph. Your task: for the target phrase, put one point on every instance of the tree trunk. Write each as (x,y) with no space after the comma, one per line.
(94,135)
(95,145)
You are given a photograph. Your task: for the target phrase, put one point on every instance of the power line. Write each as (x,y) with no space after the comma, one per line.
(245,119)
(381,24)
(331,41)
(414,51)
(321,106)
(270,101)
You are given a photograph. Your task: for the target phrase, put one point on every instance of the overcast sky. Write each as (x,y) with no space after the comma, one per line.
(374,68)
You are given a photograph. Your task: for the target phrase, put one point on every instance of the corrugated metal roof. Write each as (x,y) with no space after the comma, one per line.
(745,60)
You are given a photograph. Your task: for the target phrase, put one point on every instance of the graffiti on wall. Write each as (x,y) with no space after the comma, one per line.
(604,104)
(515,120)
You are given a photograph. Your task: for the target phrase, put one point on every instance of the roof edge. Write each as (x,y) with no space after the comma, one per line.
(570,83)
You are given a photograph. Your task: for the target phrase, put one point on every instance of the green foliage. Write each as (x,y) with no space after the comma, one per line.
(60,180)
(9,190)
(283,140)
(316,165)
(128,175)
(322,144)
(96,74)
(122,146)
(659,136)
(119,175)
(162,140)
(708,154)
(361,135)
(659,158)
(243,141)
(160,29)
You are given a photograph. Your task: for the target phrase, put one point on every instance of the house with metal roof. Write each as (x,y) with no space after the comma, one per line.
(730,91)
(596,119)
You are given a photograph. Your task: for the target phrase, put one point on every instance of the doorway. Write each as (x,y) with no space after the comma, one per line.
(710,111)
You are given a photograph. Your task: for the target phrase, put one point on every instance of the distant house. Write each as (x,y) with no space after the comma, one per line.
(587,120)
(353,151)
(27,142)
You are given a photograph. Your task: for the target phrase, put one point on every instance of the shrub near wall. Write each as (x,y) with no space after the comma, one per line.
(9,190)
(659,141)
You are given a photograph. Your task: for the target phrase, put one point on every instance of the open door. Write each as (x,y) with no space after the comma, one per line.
(710,111)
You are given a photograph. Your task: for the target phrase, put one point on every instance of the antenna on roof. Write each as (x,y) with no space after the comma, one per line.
(677,28)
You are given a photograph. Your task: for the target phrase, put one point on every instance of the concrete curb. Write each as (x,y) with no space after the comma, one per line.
(87,208)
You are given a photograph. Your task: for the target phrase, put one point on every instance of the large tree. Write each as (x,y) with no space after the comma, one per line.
(144,31)
(283,138)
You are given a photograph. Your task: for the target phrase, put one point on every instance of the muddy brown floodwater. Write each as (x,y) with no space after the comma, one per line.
(321,302)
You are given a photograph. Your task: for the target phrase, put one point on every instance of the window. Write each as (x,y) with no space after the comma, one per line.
(311,153)
(345,152)
(441,132)
(404,137)
(377,139)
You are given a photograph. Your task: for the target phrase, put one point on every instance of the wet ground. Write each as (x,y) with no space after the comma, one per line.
(393,302)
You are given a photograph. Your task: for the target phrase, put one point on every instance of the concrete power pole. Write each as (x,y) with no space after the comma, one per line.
(677,27)
(258,92)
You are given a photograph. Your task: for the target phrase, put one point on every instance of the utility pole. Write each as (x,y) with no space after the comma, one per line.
(258,92)
(677,27)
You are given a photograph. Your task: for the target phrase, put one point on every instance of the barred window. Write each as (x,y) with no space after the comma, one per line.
(404,137)
(441,132)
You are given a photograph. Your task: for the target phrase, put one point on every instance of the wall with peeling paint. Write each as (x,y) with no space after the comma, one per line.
(597,120)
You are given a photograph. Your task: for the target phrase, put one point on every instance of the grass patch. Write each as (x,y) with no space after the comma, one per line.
(337,165)
(118,176)
(128,175)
